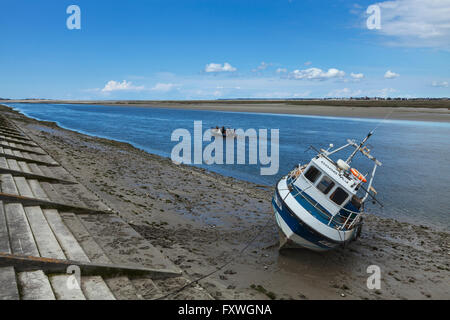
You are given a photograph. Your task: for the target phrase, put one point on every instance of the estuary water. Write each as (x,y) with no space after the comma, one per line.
(413,183)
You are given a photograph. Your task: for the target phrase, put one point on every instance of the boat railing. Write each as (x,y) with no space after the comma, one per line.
(313,203)
(338,221)
(349,219)
(296,173)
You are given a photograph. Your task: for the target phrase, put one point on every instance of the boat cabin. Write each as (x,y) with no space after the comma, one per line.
(331,192)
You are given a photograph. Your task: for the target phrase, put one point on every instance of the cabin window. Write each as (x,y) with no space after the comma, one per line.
(339,196)
(325,185)
(312,174)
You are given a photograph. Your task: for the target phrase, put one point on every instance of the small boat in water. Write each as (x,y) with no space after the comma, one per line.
(224,132)
(319,205)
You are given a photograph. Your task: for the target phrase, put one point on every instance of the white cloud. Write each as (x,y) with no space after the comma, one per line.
(217,67)
(442,84)
(357,76)
(416,23)
(163,87)
(121,86)
(391,75)
(317,74)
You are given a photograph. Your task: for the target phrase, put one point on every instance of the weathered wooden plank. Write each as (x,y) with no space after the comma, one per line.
(120,286)
(67,241)
(94,288)
(47,171)
(44,159)
(8,284)
(16,147)
(49,159)
(35,169)
(27,201)
(13,165)
(94,252)
(29,263)
(8,154)
(17,153)
(63,291)
(51,192)
(20,235)
(14,135)
(7,184)
(43,235)
(27,175)
(28,143)
(62,173)
(11,131)
(37,190)
(7,151)
(3,163)
(24,167)
(4,234)
(34,285)
(23,187)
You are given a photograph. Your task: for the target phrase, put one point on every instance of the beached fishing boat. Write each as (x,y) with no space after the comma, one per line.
(319,205)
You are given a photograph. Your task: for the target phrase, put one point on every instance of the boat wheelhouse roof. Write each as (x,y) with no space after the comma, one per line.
(329,168)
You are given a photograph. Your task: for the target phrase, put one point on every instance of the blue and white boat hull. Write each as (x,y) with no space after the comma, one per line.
(292,239)
(301,229)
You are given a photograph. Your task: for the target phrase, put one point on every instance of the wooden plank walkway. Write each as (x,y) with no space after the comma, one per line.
(8,283)
(27,157)
(49,222)
(24,142)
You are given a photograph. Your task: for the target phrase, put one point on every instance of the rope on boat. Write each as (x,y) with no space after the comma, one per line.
(382,121)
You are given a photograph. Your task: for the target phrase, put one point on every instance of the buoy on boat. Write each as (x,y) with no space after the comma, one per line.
(358,175)
(343,165)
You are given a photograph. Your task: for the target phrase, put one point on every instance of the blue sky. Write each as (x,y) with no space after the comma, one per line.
(224,49)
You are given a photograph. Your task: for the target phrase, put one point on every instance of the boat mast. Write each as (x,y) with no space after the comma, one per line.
(349,160)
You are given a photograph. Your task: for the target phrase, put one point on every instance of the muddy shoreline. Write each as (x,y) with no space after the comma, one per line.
(435,111)
(202,220)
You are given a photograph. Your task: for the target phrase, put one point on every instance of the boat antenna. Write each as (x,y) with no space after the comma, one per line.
(349,160)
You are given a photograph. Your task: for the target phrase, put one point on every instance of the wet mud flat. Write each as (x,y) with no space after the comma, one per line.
(201,220)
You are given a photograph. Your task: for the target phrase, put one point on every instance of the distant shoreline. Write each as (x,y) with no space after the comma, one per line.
(416,110)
